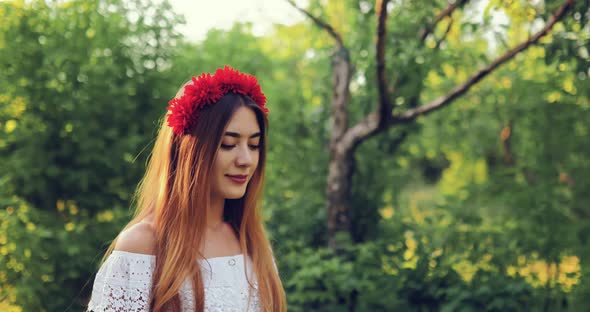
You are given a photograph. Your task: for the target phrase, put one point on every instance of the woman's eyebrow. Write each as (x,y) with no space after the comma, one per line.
(237,135)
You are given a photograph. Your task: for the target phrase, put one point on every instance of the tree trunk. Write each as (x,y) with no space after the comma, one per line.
(339,197)
(338,187)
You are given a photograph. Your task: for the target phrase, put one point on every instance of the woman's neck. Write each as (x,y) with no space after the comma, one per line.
(215,213)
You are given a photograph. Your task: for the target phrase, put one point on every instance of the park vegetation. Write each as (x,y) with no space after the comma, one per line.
(423,155)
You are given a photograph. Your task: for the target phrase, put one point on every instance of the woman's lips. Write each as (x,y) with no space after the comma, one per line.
(239,179)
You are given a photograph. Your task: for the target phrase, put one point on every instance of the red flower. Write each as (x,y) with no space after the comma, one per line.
(207,90)
(232,80)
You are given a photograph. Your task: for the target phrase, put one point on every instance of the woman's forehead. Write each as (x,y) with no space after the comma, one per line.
(243,122)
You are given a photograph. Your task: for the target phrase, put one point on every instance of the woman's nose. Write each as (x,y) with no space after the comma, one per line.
(245,157)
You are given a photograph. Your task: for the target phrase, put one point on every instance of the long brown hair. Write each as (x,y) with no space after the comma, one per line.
(175,190)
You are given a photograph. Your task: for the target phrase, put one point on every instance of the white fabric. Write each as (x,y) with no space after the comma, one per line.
(124,283)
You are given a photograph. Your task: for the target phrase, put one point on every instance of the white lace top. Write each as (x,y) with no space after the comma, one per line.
(124,282)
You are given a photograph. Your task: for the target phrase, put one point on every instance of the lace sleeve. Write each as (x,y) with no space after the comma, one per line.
(123,283)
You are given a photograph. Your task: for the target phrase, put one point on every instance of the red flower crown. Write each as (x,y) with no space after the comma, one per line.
(207,90)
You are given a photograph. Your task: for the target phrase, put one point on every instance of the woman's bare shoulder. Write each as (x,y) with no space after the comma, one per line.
(139,238)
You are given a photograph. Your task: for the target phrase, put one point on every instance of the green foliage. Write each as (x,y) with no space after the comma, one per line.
(46,260)
(72,75)
(320,281)
(83,85)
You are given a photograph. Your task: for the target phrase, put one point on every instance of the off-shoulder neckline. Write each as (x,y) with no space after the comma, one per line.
(140,255)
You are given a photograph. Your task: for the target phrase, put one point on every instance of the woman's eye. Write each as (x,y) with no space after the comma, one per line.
(230,146)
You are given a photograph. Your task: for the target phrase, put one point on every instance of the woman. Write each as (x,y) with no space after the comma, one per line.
(196,241)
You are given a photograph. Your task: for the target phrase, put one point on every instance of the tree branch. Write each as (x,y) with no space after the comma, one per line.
(384,102)
(366,128)
(446,12)
(463,88)
(444,36)
(341,75)
(327,27)
(423,35)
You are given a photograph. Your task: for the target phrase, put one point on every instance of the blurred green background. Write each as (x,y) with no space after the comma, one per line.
(480,206)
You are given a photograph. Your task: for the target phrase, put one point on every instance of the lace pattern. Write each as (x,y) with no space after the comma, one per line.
(123,284)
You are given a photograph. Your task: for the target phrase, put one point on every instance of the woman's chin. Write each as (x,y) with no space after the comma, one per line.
(235,195)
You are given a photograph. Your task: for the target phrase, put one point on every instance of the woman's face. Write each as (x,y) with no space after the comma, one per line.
(237,157)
